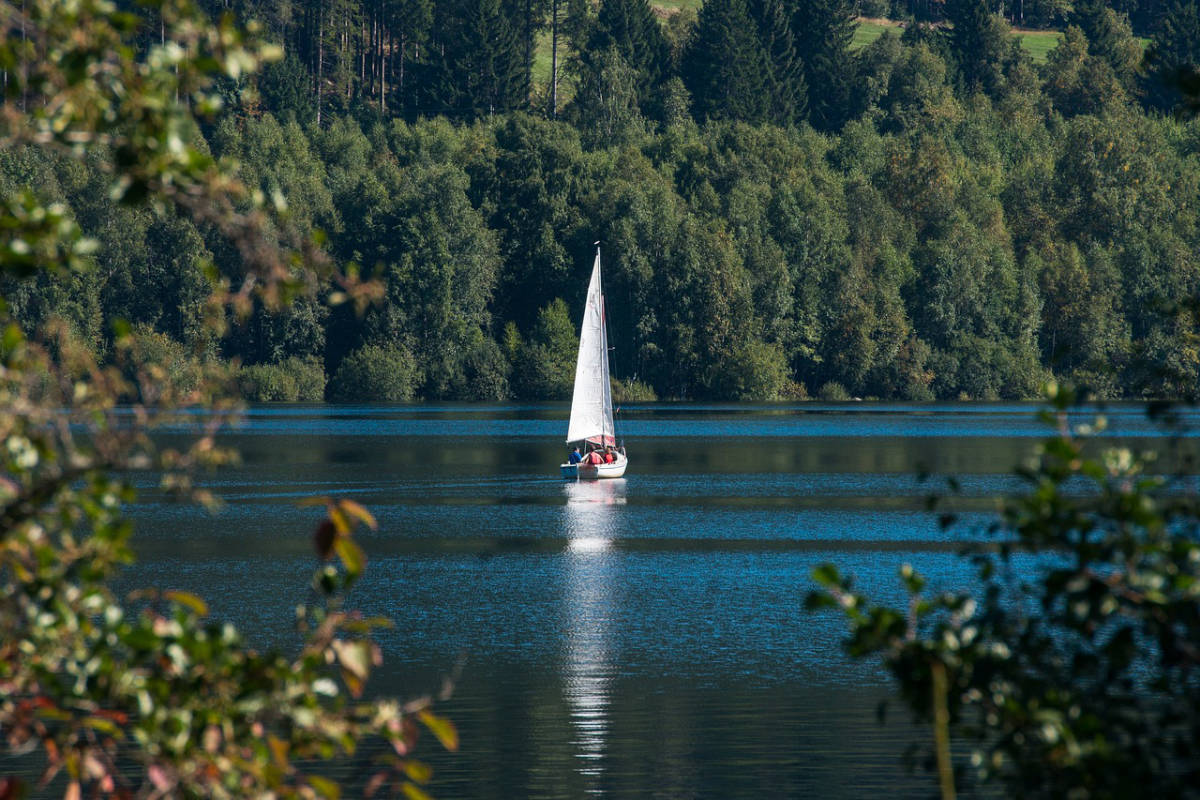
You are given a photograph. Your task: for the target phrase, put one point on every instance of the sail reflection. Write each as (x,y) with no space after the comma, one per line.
(589,520)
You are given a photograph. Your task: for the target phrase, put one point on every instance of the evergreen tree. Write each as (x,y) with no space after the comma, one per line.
(479,65)
(1110,38)
(978,42)
(823,31)
(786,90)
(726,69)
(630,27)
(1175,54)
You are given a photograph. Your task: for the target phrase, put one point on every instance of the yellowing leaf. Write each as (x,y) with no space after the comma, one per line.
(441,728)
(324,787)
(414,792)
(356,510)
(188,600)
(352,556)
(418,771)
(279,751)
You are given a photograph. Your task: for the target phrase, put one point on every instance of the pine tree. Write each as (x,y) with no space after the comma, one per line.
(1175,56)
(786,88)
(631,28)
(478,60)
(978,43)
(726,68)
(1109,36)
(823,31)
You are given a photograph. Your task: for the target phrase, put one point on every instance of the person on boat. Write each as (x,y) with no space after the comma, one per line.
(594,458)
(574,458)
(608,455)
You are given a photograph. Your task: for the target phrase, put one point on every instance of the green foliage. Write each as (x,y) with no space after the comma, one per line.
(1174,56)
(833,392)
(375,374)
(978,41)
(544,366)
(166,360)
(290,381)
(144,695)
(918,247)
(1077,679)
(632,391)
(726,67)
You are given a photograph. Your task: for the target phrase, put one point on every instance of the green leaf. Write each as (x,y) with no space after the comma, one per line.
(826,575)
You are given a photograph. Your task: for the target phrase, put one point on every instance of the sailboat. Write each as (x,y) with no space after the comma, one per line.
(591,425)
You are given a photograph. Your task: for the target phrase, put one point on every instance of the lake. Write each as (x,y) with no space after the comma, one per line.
(642,637)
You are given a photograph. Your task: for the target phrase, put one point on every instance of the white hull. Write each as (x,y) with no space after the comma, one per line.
(590,472)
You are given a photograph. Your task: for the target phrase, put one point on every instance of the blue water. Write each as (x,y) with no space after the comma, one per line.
(629,638)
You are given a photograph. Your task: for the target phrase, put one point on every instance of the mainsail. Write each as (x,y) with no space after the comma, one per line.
(591,406)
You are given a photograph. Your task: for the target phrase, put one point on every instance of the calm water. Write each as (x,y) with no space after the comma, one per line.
(631,638)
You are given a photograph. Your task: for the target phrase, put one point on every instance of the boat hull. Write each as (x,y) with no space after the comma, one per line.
(591,472)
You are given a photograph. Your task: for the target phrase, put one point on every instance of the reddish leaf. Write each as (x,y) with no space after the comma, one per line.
(323,539)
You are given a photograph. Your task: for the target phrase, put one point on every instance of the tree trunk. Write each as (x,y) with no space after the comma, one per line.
(320,58)
(554,59)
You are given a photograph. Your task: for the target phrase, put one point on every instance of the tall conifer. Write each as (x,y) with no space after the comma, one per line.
(479,61)
(631,28)
(726,69)
(787,90)
(823,31)
(978,43)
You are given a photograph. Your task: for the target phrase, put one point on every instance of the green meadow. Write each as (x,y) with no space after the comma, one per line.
(1037,43)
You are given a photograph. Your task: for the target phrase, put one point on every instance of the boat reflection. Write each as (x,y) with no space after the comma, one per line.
(589,519)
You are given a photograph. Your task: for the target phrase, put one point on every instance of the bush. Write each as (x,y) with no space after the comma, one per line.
(161,362)
(292,380)
(374,373)
(632,391)
(833,391)
(1070,671)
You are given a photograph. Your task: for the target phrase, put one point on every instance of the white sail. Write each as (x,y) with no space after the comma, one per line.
(591,405)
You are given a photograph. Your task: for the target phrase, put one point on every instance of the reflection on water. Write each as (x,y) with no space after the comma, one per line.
(588,660)
(629,638)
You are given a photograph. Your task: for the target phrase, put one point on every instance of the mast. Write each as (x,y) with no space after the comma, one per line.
(610,418)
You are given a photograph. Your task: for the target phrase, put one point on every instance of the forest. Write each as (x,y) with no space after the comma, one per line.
(783,211)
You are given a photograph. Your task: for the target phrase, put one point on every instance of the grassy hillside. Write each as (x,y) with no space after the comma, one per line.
(1038,43)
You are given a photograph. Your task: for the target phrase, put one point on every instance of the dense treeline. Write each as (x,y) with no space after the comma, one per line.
(933,215)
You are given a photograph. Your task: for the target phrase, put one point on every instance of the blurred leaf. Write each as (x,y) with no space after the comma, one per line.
(323,538)
(188,600)
(355,510)
(826,575)
(351,554)
(413,792)
(442,728)
(324,787)
(354,656)
(418,771)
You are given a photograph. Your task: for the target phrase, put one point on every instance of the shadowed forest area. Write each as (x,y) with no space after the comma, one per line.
(787,207)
